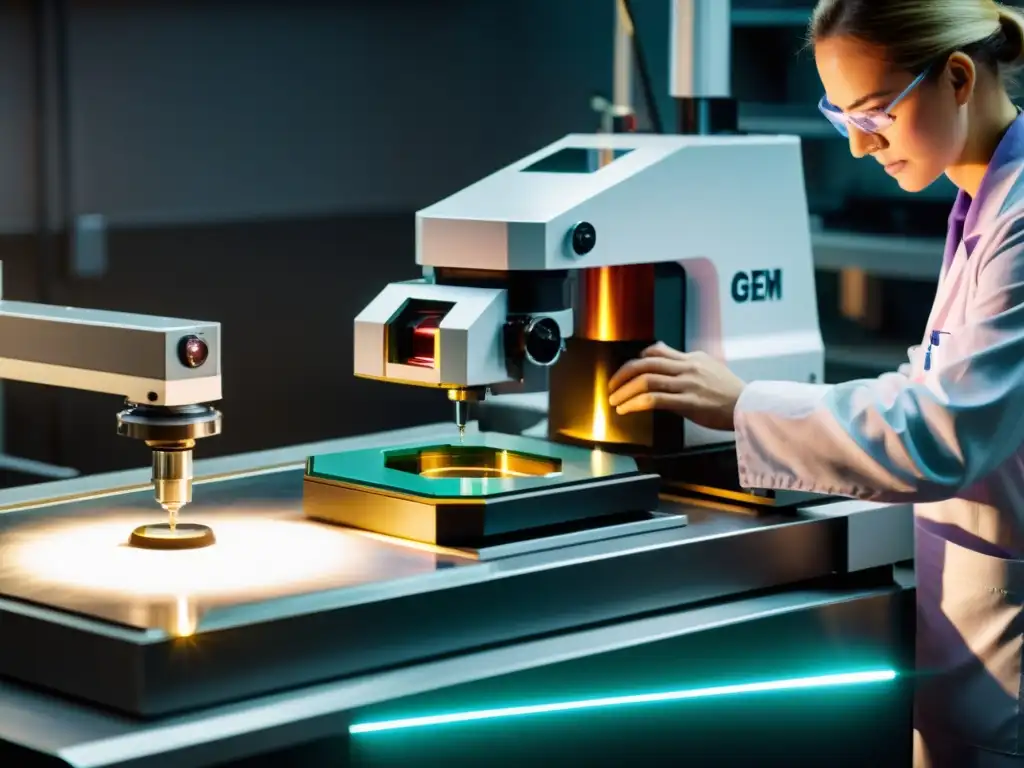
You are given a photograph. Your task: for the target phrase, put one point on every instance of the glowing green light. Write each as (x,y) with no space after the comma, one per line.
(821,681)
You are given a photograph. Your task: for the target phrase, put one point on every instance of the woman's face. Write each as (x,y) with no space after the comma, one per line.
(929,130)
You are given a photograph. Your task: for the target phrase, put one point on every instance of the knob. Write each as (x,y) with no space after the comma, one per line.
(192,351)
(583,238)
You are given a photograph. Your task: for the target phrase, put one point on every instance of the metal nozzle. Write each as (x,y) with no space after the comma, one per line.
(172,433)
(461,415)
(172,479)
(462,398)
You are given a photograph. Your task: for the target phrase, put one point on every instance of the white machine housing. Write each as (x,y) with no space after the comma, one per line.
(120,353)
(470,346)
(732,210)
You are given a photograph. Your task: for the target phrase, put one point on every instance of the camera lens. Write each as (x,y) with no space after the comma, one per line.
(543,341)
(193,351)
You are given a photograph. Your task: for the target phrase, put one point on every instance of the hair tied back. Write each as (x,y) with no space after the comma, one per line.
(1011,26)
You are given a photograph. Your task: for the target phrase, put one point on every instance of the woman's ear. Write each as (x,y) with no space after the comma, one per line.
(962,76)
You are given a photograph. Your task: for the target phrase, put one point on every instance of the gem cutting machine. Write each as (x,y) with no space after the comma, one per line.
(578,256)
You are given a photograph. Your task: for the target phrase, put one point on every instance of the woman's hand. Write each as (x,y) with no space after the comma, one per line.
(695,386)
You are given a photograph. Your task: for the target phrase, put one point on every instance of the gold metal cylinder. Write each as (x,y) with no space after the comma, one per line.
(616,303)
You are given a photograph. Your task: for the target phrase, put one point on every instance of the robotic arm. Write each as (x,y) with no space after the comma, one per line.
(167,369)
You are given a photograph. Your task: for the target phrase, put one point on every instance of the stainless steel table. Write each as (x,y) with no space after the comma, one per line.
(270,645)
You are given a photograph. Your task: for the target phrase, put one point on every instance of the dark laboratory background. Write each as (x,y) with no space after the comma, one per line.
(260,164)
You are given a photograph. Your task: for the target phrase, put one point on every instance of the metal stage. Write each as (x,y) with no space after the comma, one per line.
(614,644)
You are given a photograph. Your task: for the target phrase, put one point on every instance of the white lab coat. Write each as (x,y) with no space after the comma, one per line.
(952,441)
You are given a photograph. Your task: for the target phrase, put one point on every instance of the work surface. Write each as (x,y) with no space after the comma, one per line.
(73,556)
(63,563)
(71,552)
(63,546)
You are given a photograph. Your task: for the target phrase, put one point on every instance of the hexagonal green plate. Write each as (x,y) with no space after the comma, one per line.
(370,467)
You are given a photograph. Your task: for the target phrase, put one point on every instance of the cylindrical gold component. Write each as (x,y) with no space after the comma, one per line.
(466,395)
(616,303)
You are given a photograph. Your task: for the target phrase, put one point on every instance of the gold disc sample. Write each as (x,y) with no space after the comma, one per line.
(182,536)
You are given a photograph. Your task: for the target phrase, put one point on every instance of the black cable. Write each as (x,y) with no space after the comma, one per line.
(643,71)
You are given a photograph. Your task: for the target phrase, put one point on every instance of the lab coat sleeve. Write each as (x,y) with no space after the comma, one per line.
(907,368)
(893,439)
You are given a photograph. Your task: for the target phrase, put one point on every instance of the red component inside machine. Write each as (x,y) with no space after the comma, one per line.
(414,333)
(424,340)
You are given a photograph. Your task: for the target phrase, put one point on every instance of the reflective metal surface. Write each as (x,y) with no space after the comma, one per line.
(76,557)
(316,583)
(616,303)
(471,461)
(172,479)
(76,735)
(282,602)
(161,424)
(578,399)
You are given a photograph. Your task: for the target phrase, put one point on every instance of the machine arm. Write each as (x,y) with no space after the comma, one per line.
(167,369)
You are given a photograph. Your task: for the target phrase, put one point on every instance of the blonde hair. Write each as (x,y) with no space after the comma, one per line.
(917,34)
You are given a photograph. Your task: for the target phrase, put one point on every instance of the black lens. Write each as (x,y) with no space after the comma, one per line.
(584,238)
(543,341)
(193,351)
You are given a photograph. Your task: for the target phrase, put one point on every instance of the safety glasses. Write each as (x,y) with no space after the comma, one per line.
(870,120)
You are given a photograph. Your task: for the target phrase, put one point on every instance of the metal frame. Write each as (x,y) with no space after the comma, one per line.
(701,48)
(308,726)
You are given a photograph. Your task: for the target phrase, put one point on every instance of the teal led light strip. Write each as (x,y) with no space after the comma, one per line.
(798,683)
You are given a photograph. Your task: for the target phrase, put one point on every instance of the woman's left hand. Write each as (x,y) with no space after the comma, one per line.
(695,386)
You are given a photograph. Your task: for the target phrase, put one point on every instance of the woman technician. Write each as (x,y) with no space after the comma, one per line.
(917,86)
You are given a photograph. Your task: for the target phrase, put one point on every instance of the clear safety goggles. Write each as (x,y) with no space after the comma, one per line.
(869,120)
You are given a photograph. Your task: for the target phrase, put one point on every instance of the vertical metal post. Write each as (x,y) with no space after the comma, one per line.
(53,203)
(700,57)
(622,67)
(50,21)
(617,113)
